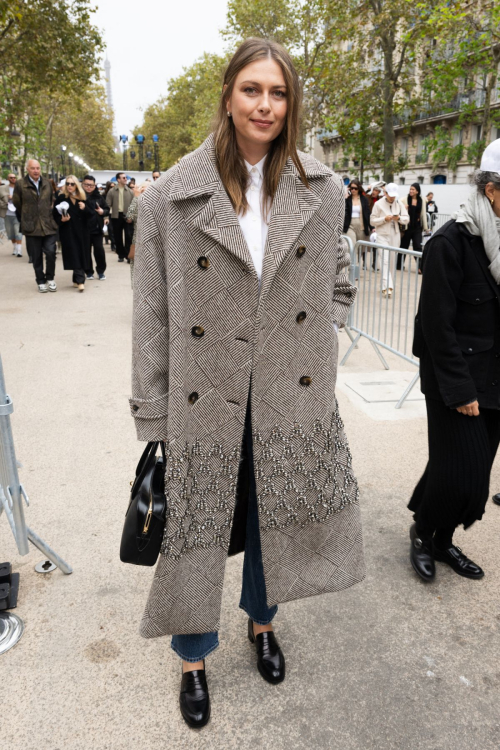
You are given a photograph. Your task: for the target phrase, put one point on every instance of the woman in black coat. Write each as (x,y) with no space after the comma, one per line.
(74,230)
(457,337)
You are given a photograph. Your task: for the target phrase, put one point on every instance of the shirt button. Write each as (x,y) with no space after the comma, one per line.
(305,380)
(301,317)
(197,331)
(193,397)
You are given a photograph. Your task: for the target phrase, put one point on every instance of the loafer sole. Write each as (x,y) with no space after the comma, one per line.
(198,725)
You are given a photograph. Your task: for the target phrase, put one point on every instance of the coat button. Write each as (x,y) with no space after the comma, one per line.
(305,380)
(135,407)
(193,397)
(494,382)
(197,331)
(203,262)
(469,349)
(301,317)
(477,299)
(497,355)
(300,251)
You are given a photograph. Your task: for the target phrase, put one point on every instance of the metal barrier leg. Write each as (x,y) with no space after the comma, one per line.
(349,333)
(380,355)
(408,391)
(48,552)
(350,350)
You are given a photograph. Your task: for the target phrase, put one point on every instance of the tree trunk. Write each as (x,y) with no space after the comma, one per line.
(387,43)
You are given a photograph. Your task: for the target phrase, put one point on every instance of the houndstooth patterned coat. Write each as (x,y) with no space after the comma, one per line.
(202,336)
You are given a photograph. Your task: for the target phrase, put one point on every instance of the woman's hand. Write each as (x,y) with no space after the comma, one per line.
(131,254)
(389,217)
(470,410)
(81,205)
(65,218)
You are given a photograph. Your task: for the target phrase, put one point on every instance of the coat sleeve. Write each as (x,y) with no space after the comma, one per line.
(344,293)
(377,216)
(441,282)
(17,199)
(4,200)
(150,329)
(404,216)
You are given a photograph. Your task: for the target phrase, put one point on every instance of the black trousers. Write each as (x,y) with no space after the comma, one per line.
(96,244)
(38,247)
(79,276)
(120,228)
(455,485)
(410,235)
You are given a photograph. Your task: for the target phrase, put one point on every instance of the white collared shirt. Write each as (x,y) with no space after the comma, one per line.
(253,224)
(36,184)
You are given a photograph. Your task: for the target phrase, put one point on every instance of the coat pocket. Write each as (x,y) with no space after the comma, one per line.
(477,354)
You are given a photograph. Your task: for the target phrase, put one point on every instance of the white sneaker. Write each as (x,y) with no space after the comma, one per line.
(19,253)
(43,288)
(52,286)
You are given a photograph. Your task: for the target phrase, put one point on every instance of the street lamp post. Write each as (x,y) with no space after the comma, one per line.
(157,156)
(124,139)
(139,139)
(63,155)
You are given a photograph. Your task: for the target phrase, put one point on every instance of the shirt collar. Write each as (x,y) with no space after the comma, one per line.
(33,181)
(259,166)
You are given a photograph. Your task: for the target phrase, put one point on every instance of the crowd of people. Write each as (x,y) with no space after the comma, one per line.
(380,215)
(79,217)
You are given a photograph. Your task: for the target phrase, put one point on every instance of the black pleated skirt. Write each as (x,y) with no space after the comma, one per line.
(455,485)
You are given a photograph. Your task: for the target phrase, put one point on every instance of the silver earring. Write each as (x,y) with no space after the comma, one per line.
(229,114)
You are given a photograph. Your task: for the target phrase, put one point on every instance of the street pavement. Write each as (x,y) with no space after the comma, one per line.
(390,664)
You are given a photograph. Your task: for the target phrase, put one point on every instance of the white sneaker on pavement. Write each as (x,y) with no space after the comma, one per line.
(52,286)
(43,288)
(19,253)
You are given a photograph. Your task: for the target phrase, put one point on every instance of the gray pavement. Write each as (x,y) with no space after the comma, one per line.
(390,664)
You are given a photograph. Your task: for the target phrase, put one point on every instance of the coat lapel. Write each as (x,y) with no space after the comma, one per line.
(208,208)
(293,207)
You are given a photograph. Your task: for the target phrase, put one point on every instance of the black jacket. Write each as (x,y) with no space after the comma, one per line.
(96,221)
(365,212)
(457,327)
(74,235)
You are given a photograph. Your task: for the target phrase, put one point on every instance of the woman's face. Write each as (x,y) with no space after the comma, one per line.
(70,187)
(430,196)
(258,104)
(494,197)
(375,192)
(413,192)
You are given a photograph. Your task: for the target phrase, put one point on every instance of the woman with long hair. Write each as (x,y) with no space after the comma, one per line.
(73,229)
(357,214)
(417,211)
(239,286)
(457,338)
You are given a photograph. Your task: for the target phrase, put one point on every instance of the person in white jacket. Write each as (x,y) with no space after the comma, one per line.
(387,215)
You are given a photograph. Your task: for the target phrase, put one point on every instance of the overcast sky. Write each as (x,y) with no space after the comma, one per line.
(150,41)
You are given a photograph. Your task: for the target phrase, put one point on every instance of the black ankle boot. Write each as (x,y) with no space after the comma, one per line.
(270,659)
(421,555)
(194,699)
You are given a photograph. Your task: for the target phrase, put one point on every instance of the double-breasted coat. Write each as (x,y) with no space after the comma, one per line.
(74,234)
(204,336)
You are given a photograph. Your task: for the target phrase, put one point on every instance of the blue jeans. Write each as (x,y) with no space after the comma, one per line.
(253,591)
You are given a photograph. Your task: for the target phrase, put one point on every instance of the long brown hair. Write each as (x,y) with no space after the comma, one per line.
(230,163)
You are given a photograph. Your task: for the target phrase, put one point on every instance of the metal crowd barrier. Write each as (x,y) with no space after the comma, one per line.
(12,492)
(386,303)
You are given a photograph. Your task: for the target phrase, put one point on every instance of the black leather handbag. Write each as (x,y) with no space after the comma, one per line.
(145,518)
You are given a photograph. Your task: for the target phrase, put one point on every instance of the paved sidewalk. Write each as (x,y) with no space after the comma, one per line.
(390,664)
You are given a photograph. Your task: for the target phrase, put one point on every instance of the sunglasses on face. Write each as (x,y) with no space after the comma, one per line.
(353,187)
(70,184)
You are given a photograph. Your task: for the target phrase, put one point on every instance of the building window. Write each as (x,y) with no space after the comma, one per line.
(439,179)
(458,136)
(404,148)
(477,133)
(420,178)
(401,180)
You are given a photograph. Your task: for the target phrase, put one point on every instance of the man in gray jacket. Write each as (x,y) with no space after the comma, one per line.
(119,199)
(33,199)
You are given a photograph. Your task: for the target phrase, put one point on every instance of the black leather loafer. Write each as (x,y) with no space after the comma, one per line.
(270,659)
(421,556)
(455,558)
(496,498)
(194,699)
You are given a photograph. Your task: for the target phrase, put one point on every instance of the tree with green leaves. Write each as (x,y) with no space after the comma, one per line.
(182,118)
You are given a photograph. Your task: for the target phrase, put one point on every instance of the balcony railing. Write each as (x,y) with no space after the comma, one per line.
(475,97)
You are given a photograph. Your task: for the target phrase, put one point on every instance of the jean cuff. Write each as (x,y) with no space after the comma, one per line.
(195,658)
(256,620)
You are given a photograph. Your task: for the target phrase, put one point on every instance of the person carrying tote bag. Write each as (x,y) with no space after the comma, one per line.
(240,285)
